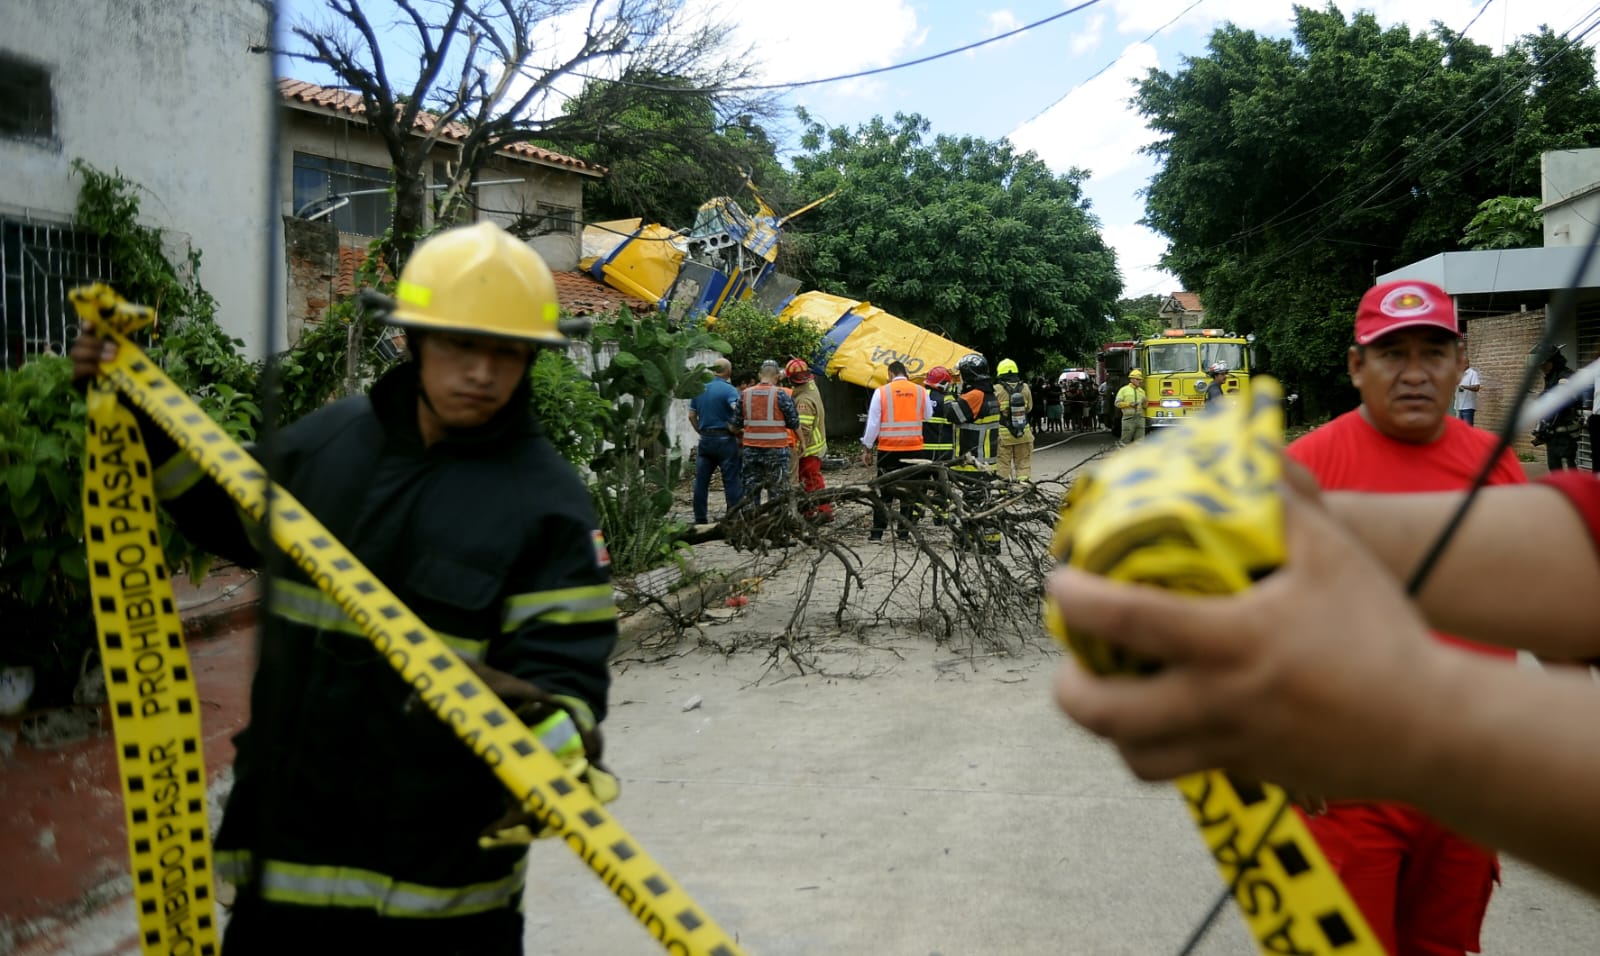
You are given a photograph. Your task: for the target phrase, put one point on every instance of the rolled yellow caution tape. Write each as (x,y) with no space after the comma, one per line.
(446,685)
(155,712)
(1198,510)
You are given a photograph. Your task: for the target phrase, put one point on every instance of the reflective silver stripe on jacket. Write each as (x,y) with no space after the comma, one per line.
(304,604)
(177,475)
(587,604)
(306,884)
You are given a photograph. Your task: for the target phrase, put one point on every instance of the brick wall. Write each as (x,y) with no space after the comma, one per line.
(312,253)
(1498,346)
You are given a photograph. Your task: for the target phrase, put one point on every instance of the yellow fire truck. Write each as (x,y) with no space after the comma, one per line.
(1175,377)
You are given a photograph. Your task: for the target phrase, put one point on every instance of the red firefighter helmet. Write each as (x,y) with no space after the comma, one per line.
(798,370)
(938,377)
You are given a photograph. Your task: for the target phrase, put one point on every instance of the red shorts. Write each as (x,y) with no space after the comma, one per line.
(1423,889)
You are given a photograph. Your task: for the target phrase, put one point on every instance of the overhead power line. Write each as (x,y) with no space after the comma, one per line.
(800,84)
(1100,72)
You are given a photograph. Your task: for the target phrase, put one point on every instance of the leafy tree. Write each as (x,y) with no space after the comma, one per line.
(1294,170)
(1137,318)
(959,235)
(669,148)
(634,476)
(754,335)
(1505,222)
(494,65)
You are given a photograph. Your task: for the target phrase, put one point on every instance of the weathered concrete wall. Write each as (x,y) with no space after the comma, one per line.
(170,95)
(1575,173)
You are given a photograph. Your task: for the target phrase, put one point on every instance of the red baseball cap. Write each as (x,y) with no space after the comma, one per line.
(1404,304)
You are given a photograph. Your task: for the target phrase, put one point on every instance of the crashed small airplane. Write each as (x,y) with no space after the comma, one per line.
(730,256)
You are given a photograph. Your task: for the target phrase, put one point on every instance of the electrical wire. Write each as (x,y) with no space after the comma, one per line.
(801,84)
(1100,72)
(1397,170)
(1564,303)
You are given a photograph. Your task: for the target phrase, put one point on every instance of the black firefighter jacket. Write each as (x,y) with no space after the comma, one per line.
(347,792)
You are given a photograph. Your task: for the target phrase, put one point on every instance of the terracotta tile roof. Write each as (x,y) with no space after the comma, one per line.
(349,104)
(583,294)
(1189,301)
(350,258)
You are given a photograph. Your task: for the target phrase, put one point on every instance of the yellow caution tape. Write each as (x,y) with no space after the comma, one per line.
(1198,510)
(150,685)
(446,685)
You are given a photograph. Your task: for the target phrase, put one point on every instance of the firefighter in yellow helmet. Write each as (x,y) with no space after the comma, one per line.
(1015,459)
(1130,401)
(355,813)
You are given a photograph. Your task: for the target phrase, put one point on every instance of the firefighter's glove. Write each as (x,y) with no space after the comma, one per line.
(564,727)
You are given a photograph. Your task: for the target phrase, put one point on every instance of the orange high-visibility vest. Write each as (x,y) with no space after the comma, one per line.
(794,436)
(763,418)
(901,407)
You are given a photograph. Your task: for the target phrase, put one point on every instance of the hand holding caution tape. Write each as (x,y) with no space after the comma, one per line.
(535,776)
(562,724)
(1198,510)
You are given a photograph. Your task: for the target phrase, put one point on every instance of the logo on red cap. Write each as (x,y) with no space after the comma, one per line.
(1406,302)
(1403,304)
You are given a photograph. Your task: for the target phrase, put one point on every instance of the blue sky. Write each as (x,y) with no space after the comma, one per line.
(1032,88)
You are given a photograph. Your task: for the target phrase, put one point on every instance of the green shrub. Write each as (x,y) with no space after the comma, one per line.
(574,413)
(754,335)
(634,476)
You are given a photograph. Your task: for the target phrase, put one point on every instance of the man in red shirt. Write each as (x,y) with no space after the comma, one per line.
(1423,889)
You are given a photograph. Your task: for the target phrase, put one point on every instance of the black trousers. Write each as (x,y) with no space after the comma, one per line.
(909,512)
(275,929)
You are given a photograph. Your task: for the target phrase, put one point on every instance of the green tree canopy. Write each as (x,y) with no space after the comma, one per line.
(1294,170)
(960,235)
(1505,222)
(1137,318)
(667,148)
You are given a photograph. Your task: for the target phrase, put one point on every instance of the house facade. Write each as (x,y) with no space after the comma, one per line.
(334,177)
(1182,310)
(170,95)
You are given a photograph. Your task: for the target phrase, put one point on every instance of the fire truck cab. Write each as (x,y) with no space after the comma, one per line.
(1175,377)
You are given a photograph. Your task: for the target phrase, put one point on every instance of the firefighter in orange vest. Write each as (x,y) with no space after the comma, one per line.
(894,429)
(767,415)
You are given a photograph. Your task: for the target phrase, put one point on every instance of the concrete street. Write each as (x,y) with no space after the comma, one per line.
(928,805)
(908,799)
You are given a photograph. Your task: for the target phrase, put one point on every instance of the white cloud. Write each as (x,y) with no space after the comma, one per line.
(1002,21)
(1143,16)
(1093,127)
(1088,38)
(1139,260)
(829,38)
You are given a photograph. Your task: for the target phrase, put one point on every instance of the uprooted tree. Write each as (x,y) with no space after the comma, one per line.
(970,573)
(503,70)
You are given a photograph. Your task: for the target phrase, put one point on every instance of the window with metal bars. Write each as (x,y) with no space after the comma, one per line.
(39,264)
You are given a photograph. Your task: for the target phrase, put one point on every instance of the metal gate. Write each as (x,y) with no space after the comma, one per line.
(39,263)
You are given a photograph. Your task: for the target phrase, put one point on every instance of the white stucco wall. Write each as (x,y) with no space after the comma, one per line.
(1570,173)
(170,95)
(324,135)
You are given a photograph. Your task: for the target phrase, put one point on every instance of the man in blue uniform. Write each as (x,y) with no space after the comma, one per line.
(712,414)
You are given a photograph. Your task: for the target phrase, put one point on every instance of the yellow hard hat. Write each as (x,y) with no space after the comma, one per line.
(481,280)
(1136,374)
